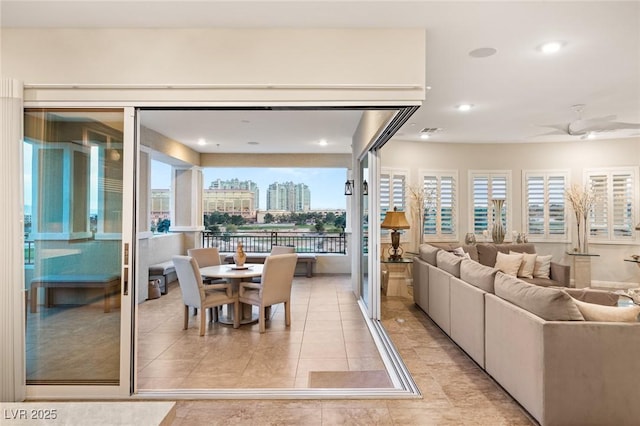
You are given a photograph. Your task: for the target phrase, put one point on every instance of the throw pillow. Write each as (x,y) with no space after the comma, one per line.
(509,263)
(528,264)
(548,303)
(543,267)
(594,312)
(459,251)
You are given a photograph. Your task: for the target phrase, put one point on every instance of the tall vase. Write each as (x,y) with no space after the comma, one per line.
(585,236)
(497,233)
(239,257)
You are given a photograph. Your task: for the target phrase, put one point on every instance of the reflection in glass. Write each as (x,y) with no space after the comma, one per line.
(364,222)
(73,231)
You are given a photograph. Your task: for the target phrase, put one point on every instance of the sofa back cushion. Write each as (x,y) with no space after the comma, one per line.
(478,275)
(451,247)
(449,262)
(550,304)
(428,253)
(487,253)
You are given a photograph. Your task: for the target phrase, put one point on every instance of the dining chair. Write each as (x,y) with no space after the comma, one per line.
(282,250)
(196,295)
(275,287)
(207,256)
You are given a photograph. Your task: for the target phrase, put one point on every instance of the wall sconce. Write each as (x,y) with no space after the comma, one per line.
(365,188)
(348,187)
(395,220)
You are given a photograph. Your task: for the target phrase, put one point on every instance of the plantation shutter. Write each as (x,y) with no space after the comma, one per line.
(486,187)
(545,205)
(440,214)
(392,191)
(612,217)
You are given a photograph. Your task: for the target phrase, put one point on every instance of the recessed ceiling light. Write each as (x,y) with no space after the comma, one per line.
(323,142)
(464,107)
(591,135)
(483,52)
(551,47)
(202,142)
(253,143)
(424,136)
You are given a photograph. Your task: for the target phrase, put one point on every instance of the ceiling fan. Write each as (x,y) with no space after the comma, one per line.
(588,128)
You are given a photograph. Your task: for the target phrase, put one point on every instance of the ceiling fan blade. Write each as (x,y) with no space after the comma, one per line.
(554,133)
(563,128)
(617,125)
(606,118)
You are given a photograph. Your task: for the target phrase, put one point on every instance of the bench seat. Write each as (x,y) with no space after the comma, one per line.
(110,284)
(308,259)
(165,272)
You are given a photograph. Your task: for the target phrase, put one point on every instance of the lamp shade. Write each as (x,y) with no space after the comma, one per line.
(638,227)
(395,220)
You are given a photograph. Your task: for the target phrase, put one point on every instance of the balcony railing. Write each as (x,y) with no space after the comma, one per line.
(261,242)
(29,251)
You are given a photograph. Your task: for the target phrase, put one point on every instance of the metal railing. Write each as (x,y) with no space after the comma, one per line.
(261,242)
(29,252)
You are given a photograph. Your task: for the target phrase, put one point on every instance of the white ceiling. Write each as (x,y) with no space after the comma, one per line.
(514,92)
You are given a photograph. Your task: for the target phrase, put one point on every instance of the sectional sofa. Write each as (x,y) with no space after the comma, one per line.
(550,351)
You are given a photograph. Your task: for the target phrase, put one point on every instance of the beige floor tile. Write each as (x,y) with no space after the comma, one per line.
(356,416)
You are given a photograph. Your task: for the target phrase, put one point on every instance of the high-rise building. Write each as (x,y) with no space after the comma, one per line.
(237,184)
(289,196)
(233,196)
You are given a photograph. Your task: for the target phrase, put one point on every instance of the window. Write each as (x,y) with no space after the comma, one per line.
(392,192)
(486,186)
(545,206)
(440,215)
(616,192)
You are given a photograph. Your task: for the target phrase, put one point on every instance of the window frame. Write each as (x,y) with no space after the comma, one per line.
(610,237)
(507,174)
(455,200)
(568,224)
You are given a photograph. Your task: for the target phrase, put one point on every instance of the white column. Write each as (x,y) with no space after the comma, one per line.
(12,299)
(186,204)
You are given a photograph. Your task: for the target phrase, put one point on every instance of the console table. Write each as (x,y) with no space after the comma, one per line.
(396,285)
(582,268)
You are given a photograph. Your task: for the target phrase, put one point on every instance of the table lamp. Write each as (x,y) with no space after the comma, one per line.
(395,220)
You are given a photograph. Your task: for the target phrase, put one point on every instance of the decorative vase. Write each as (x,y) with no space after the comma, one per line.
(585,236)
(497,233)
(239,257)
(470,239)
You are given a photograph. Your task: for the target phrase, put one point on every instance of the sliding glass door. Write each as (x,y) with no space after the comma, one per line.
(76,264)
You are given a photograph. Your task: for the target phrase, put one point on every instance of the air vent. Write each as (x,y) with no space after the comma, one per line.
(431,130)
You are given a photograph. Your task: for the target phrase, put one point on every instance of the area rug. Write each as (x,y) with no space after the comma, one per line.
(349,379)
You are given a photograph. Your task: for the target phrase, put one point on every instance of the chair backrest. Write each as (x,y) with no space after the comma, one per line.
(207,256)
(282,250)
(190,280)
(277,277)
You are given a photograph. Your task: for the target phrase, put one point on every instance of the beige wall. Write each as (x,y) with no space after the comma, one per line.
(575,156)
(269,65)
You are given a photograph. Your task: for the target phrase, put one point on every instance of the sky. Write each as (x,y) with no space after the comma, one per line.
(325,184)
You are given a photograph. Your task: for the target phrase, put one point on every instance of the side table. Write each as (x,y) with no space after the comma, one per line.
(582,268)
(397,274)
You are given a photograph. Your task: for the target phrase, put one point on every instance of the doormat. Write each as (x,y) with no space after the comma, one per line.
(349,379)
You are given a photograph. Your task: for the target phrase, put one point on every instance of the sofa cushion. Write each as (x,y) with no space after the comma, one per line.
(550,304)
(542,282)
(518,248)
(509,263)
(163,268)
(478,275)
(542,268)
(428,253)
(487,254)
(592,295)
(527,265)
(595,312)
(449,262)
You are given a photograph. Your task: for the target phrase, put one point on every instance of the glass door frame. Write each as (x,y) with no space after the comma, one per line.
(127,292)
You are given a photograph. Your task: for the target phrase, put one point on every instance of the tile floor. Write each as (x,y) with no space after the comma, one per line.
(455,390)
(327,333)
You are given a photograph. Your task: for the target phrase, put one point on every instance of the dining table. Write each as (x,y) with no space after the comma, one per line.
(234,275)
